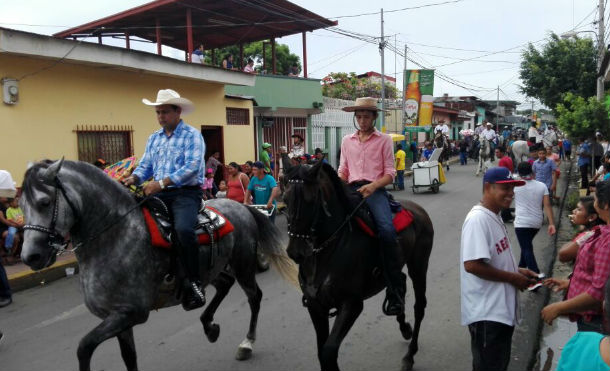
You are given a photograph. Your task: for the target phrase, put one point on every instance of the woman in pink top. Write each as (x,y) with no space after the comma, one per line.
(237,183)
(367,165)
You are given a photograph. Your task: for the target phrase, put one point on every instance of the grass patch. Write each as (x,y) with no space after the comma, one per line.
(572,200)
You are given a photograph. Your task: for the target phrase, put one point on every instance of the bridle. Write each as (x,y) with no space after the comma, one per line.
(55,239)
(319,203)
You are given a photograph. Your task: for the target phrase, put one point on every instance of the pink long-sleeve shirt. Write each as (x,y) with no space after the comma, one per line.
(369,160)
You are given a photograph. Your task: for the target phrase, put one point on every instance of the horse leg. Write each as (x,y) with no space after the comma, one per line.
(223,284)
(247,281)
(319,318)
(417,270)
(348,313)
(128,349)
(405,327)
(111,326)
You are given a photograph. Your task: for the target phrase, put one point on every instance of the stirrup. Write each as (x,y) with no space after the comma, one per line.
(197,290)
(385,307)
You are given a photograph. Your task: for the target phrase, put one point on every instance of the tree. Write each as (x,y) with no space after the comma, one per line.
(563,66)
(284,58)
(581,118)
(348,86)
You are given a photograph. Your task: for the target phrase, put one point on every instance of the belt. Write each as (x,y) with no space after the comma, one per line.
(360,183)
(190,188)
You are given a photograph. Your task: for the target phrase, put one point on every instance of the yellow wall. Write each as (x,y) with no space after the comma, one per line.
(53,102)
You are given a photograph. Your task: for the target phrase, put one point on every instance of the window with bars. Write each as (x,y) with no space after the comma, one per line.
(111,143)
(238,116)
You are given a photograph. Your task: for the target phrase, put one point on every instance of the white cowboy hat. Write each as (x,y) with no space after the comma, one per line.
(479,124)
(363,104)
(7,185)
(489,124)
(169,96)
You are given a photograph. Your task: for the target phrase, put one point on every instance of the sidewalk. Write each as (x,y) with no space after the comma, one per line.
(22,277)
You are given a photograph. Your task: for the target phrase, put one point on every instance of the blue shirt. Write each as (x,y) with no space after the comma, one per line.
(178,156)
(567,145)
(427,153)
(261,189)
(584,154)
(544,171)
(581,352)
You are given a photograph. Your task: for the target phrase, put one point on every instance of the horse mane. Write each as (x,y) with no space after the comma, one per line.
(340,188)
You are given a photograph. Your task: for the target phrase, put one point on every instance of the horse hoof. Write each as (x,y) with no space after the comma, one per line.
(213,333)
(244,351)
(406,331)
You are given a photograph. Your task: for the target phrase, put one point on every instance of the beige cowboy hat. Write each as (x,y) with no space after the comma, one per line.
(169,96)
(363,104)
(7,185)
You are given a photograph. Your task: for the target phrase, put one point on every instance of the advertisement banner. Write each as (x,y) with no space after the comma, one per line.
(419,97)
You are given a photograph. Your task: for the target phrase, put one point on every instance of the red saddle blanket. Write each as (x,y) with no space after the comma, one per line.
(401,221)
(158,240)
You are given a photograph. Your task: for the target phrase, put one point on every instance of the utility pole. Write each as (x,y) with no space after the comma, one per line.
(600,49)
(404,88)
(497,110)
(381,50)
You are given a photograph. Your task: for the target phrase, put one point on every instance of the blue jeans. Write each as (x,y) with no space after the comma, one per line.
(10,237)
(184,206)
(400,176)
(379,205)
(463,158)
(526,238)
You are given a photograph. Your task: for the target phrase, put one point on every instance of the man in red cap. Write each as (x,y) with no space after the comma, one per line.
(489,276)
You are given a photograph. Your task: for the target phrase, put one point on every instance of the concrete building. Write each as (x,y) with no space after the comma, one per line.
(84,101)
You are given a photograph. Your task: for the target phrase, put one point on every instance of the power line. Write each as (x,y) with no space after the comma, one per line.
(397,10)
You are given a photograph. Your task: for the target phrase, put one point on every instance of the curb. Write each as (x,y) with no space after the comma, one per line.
(28,279)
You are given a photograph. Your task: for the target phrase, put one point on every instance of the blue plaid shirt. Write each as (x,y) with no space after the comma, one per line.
(179,157)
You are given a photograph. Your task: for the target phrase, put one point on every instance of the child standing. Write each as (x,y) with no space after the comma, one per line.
(15,215)
(222,190)
(208,185)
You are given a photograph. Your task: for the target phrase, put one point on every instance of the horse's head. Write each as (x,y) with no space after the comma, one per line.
(49,214)
(308,192)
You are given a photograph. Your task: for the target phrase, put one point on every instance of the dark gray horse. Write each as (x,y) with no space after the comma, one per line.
(120,273)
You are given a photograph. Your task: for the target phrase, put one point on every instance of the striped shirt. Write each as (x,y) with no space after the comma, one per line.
(178,156)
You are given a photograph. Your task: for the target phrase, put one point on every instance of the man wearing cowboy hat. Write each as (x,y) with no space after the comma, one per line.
(297,146)
(442,127)
(367,165)
(490,134)
(174,159)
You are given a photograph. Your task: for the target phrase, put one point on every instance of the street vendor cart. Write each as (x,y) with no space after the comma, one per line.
(428,174)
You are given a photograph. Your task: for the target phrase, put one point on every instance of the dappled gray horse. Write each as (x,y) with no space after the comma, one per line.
(484,155)
(120,272)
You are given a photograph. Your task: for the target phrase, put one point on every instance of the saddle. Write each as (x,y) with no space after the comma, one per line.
(402,218)
(211,226)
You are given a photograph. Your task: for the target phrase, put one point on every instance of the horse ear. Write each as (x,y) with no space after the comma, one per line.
(48,176)
(312,173)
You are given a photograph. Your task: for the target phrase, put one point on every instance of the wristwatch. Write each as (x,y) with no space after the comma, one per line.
(161,184)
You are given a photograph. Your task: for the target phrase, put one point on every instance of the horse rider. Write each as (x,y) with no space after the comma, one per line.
(490,134)
(367,165)
(442,128)
(174,158)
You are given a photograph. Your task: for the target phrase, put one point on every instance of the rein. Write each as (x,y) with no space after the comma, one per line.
(55,240)
(312,230)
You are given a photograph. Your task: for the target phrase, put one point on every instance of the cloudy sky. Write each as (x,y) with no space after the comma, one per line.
(474,43)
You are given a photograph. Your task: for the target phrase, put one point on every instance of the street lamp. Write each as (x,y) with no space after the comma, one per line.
(600,57)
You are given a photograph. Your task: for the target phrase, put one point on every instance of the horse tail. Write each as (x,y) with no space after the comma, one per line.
(270,243)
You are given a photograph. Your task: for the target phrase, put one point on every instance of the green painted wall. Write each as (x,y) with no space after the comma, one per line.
(281,91)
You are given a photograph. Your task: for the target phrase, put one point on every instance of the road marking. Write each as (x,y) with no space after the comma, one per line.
(77,310)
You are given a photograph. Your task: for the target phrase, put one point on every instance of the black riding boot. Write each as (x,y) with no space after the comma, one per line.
(396,281)
(193,296)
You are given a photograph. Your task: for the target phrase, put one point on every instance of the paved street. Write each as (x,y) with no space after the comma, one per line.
(44,325)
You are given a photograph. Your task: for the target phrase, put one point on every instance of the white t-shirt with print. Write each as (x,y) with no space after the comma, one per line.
(484,236)
(528,204)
